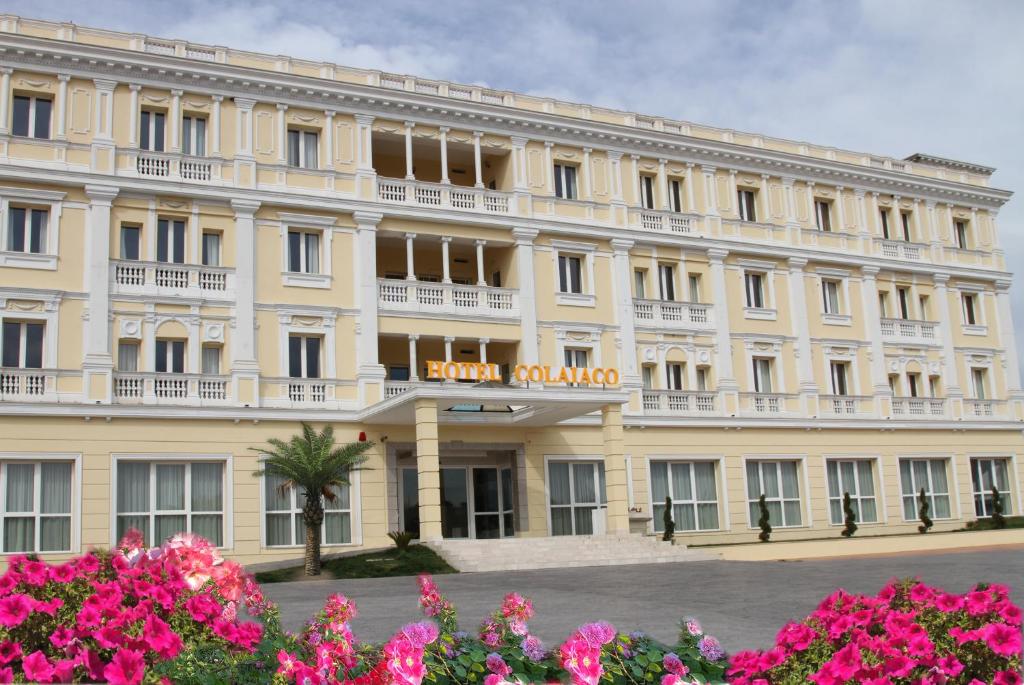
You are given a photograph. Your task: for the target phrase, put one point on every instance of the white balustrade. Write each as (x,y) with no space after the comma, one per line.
(676,315)
(174,166)
(305,390)
(27,384)
(910,331)
(170,388)
(442,196)
(900,249)
(446,298)
(918,407)
(679,402)
(162,278)
(668,222)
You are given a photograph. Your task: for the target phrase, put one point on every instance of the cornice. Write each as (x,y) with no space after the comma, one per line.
(129,66)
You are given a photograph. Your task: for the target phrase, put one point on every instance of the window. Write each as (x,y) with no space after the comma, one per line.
(694,281)
(934,386)
(36,506)
(702,379)
(929,474)
(905,222)
(903,295)
(762,375)
(639,283)
(398,373)
(914,384)
(193,136)
(170,356)
(851,476)
(565,181)
(839,372)
(302,148)
(151,131)
(883,304)
(211,360)
(163,498)
(128,356)
(970,308)
(285,525)
(304,252)
(26,230)
(745,202)
(31,116)
(674,376)
(131,240)
(778,482)
(694,493)
(960,230)
(304,356)
(922,307)
(822,216)
(647,375)
(894,381)
(22,345)
(884,217)
(979,381)
(211,249)
(570,274)
(667,282)
(755,289)
(647,192)
(170,241)
(675,195)
(986,473)
(830,296)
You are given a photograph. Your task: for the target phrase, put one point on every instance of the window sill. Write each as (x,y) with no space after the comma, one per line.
(576,299)
(975,329)
(760,313)
(301,280)
(837,319)
(28,260)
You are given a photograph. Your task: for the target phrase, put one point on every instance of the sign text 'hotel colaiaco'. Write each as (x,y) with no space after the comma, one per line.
(533,373)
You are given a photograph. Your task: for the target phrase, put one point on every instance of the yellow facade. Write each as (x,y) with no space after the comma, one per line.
(202,247)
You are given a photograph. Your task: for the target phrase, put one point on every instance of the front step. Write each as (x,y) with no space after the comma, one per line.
(516,554)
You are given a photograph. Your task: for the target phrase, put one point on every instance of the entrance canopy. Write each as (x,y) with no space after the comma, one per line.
(496,404)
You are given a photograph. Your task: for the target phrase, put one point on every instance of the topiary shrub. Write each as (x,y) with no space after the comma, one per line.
(765,521)
(922,513)
(401,538)
(670,525)
(851,518)
(998,520)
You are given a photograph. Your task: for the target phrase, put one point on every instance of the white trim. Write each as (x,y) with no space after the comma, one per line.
(952,483)
(803,496)
(721,486)
(75,458)
(876,479)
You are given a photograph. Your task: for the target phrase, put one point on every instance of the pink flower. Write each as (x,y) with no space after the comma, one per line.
(950,666)
(62,636)
(6,675)
(1002,639)
(495,664)
(64,573)
(37,667)
(847,661)
(126,668)
(673,664)
(582,659)
(160,638)
(9,651)
(287,662)
(35,573)
(978,602)
(671,679)
(404,661)
(1006,678)
(597,634)
(1010,612)
(15,609)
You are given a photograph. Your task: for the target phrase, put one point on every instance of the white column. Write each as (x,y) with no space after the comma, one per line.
(410,268)
(413,367)
(929,220)
(691,204)
(615,170)
(329,139)
(635,171)
(876,212)
(710,190)
(519,163)
(104,110)
(789,200)
(409,175)
(663,184)
(97,342)
(587,191)
(975,226)
(734,201)
(483,349)
(896,219)
(133,119)
(549,166)
(244,127)
(811,221)
(448,348)
(477,165)
(214,125)
(624,310)
(244,335)
(444,154)
(445,262)
(872,318)
(840,209)
(282,134)
(5,99)
(527,299)
(951,376)
(918,235)
(802,332)
(367,356)
(175,121)
(480,278)
(62,106)
(766,202)
(193,347)
(364,142)
(723,338)
(1004,315)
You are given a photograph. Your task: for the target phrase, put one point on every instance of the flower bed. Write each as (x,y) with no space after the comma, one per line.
(908,633)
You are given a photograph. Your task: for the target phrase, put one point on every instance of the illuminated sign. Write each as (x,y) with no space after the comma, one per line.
(534,373)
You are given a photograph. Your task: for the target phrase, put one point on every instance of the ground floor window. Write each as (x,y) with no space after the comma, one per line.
(578,501)
(36,506)
(163,498)
(285,525)
(694,493)
(929,474)
(986,473)
(779,483)
(852,476)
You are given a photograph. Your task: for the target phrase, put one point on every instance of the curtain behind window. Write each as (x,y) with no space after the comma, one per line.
(19,533)
(133,497)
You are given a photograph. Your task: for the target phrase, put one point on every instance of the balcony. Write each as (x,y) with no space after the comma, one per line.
(443,196)
(908,331)
(762,403)
(985,409)
(679,403)
(28,385)
(843,405)
(171,389)
(417,297)
(661,221)
(173,166)
(162,278)
(674,315)
(300,393)
(918,407)
(900,249)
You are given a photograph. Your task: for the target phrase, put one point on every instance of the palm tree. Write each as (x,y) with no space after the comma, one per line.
(316,466)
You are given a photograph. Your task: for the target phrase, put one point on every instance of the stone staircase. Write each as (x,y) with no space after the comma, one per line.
(517,554)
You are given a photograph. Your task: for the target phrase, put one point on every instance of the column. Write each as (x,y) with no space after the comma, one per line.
(918,235)
(519,163)
(624,310)
(527,300)
(5,99)
(282,134)
(549,166)
(615,469)
(950,368)
(448,340)
(663,184)
(811,209)
(691,203)
(483,349)
(873,325)
(214,132)
(710,191)
(840,209)
(802,332)
(97,364)
(413,366)
(766,202)
(243,127)
(364,142)
(409,175)
(615,171)
(175,120)
(480,278)
(1004,315)
(329,139)
(734,192)
(723,338)
(635,159)
(428,470)
(104,110)
(133,120)
(477,161)
(875,210)
(444,154)
(62,106)
(410,268)
(365,257)
(445,262)
(244,367)
(585,180)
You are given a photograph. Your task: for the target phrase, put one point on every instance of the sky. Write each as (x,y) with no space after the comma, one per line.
(889,77)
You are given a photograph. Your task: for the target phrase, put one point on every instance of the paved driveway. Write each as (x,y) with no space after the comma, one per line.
(742,603)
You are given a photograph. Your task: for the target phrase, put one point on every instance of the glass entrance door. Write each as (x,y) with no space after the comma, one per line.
(475,502)
(454,503)
(577,500)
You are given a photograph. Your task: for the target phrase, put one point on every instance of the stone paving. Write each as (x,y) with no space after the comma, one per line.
(742,603)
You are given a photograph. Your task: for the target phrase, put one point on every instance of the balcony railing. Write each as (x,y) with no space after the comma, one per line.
(171,388)
(910,331)
(162,278)
(900,249)
(918,407)
(447,298)
(396,388)
(667,314)
(679,402)
(841,405)
(984,409)
(663,221)
(443,196)
(763,403)
(175,166)
(28,385)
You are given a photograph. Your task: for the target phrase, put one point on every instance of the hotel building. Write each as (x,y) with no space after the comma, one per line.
(203,246)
